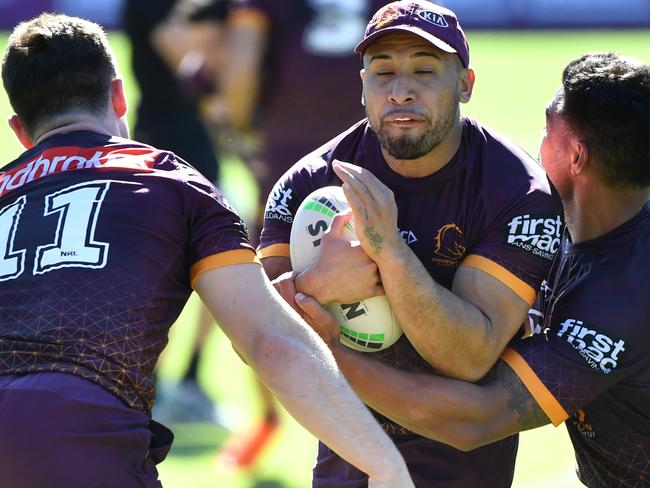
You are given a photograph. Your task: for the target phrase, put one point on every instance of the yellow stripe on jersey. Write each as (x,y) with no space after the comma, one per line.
(274,250)
(544,398)
(226,258)
(526,292)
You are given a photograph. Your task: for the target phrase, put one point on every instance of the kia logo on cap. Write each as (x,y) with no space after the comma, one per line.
(433,18)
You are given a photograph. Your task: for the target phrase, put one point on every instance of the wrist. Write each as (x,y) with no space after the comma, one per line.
(394,253)
(311,283)
(344,356)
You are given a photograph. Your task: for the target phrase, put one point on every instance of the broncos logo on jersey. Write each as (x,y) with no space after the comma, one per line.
(449,242)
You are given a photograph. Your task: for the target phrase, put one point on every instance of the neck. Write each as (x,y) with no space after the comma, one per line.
(433,161)
(76,122)
(596,210)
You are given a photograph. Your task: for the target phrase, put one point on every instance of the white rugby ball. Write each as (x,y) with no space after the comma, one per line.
(368,325)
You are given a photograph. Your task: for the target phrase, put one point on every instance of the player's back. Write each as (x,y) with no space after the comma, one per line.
(96,252)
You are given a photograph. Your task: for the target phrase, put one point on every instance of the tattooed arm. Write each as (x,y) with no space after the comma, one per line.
(462,414)
(462,331)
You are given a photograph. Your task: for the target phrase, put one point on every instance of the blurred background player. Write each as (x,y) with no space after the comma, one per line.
(177,59)
(283,56)
(176,48)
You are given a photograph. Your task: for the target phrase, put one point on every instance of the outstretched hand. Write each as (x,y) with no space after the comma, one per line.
(373,209)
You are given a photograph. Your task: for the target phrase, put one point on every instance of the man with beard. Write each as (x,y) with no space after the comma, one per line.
(590,368)
(475,227)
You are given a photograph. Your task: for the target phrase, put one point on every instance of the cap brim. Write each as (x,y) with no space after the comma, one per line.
(442,45)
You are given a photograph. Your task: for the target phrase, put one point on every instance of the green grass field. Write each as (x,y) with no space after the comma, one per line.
(517,74)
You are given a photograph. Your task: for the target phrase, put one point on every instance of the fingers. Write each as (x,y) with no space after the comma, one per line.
(285,286)
(313,309)
(363,181)
(318,318)
(339,221)
(356,192)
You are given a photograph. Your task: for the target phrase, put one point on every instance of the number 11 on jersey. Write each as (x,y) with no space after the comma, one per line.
(74,245)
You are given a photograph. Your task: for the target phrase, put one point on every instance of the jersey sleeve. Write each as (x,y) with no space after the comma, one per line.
(574,363)
(519,244)
(217,235)
(286,196)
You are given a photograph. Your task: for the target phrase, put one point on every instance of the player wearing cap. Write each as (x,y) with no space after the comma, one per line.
(460,256)
(590,364)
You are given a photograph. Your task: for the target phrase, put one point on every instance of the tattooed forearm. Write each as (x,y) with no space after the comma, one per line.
(520,401)
(375,239)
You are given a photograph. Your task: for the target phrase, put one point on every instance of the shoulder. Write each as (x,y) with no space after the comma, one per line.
(166,167)
(502,157)
(507,174)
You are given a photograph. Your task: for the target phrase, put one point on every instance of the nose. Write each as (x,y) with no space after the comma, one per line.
(400,91)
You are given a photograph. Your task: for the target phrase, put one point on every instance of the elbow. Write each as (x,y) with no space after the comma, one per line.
(465,438)
(467,441)
(468,369)
(476,358)
(468,363)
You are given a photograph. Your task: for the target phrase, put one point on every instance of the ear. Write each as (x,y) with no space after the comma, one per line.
(467,79)
(118,97)
(580,157)
(18,127)
(362,75)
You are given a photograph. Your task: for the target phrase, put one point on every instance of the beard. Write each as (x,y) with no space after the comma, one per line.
(405,147)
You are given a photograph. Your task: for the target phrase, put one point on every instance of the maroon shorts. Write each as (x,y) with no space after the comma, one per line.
(61,431)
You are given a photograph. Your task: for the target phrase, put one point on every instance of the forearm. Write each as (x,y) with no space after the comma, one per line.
(240,82)
(457,413)
(297,366)
(452,334)
(345,425)
(448,331)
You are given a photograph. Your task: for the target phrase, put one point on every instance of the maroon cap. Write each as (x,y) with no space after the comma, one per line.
(432,22)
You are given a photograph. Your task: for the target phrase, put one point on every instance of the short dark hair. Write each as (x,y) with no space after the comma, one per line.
(605,99)
(55,63)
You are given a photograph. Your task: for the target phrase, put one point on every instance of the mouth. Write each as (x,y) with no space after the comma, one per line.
(403,120)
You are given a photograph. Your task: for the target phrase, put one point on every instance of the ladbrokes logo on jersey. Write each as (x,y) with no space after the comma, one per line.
(69,158)
(277,207)
(599,350)
(539,235)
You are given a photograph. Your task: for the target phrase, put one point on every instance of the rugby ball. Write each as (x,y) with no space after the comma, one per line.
(368,325)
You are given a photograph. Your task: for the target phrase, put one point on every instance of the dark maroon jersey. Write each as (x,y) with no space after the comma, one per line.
(491,208)
(100,241)
(590,366)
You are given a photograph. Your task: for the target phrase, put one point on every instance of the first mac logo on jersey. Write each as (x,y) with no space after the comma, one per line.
(539,235)
(599,350)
